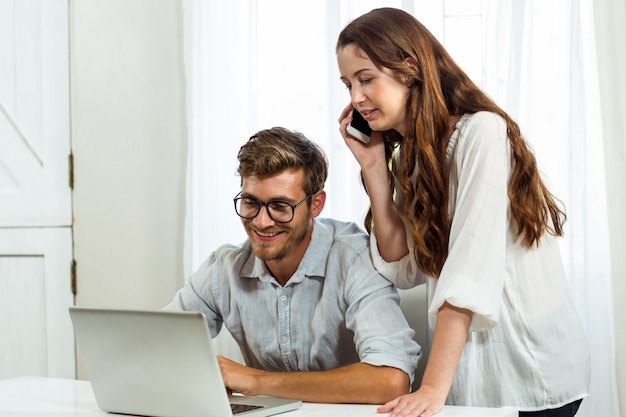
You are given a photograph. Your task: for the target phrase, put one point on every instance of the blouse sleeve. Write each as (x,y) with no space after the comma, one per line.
(404,273)
(473,274)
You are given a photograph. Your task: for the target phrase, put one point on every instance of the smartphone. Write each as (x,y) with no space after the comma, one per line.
(359,128)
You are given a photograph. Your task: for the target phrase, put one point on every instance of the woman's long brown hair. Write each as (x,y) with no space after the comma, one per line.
(441,90)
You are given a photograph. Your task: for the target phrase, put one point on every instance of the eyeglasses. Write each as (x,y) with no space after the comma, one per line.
(279,211)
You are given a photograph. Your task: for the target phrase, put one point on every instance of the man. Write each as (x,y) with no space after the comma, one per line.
(313,318)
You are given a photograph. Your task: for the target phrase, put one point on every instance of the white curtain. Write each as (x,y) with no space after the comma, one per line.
(257,64)
(610,21)
(541,66)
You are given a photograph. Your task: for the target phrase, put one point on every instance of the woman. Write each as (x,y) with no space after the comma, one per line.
(458,201)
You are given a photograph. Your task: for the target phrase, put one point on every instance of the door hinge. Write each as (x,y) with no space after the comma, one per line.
(70,164)
(73,278)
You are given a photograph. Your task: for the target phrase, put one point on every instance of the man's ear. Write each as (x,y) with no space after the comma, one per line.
(317,203)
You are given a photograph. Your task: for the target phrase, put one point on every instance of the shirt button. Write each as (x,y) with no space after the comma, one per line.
(285,338)
(283,297)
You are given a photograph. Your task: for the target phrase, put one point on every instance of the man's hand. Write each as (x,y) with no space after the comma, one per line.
(239,378)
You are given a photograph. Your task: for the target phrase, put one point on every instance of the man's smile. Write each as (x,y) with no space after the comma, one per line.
(267,235)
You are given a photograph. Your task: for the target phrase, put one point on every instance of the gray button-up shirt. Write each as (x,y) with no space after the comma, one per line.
(335,310)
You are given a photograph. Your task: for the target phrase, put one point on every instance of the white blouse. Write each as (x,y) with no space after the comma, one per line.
(526,347)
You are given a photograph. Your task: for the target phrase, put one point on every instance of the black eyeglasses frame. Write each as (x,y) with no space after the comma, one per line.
(266,205)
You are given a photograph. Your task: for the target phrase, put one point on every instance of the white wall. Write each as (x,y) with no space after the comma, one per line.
(129,143)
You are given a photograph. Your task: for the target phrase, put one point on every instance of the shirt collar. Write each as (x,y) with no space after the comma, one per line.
(313,263)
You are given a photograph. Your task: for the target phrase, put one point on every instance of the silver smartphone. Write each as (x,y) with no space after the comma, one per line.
(359,128)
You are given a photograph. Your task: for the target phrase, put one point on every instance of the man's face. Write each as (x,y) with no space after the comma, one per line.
(272,241)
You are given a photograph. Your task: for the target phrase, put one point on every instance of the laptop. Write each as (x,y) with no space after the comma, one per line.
(159,364)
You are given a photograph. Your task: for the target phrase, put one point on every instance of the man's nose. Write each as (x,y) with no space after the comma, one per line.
(263,219)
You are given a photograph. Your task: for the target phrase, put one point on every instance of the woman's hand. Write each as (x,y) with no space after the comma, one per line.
(424,402)
(367,155)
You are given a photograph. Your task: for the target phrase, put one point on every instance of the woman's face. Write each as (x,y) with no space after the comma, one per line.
(378,95)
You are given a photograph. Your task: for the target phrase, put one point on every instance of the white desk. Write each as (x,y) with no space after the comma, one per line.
(50,397)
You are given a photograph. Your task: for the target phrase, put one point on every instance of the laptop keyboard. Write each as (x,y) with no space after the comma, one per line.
(240,408)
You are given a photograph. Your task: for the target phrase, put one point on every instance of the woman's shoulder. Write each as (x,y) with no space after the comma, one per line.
(483,120)
(476,131)
(482,125)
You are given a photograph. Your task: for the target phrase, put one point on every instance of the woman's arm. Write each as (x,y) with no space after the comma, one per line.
(388,225)
(389,228)
(449,339)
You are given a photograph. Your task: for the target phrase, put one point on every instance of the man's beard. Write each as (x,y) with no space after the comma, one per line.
(298,235)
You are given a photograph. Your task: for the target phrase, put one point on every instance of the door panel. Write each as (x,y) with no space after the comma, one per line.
(36,337)
(34,114)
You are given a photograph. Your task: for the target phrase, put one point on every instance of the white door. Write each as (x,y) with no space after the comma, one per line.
(35,194)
